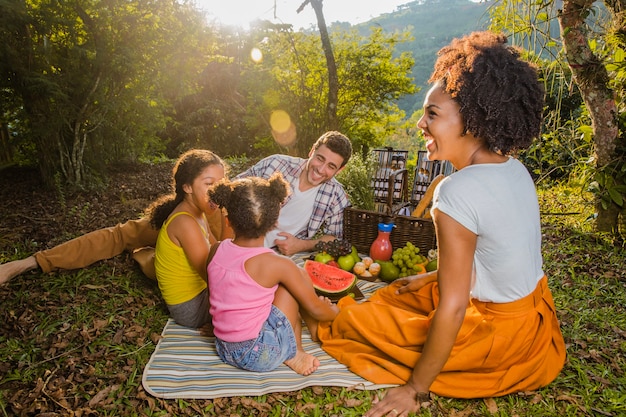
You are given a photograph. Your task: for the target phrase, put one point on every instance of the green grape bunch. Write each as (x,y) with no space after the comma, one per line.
(409,260)
(335,248)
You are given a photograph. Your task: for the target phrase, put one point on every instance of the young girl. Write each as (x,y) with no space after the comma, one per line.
(258,297)
(184,237)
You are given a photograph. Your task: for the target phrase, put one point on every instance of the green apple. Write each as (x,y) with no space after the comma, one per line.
(323,257)
(346,262)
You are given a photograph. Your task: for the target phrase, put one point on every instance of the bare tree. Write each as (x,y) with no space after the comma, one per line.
(333,79)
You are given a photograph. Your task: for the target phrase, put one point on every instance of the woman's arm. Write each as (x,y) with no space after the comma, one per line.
(456,259)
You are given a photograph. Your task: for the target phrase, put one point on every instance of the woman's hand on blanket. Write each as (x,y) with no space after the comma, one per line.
(415,282)
(398,402)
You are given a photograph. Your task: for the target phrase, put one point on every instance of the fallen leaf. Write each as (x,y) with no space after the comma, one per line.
(94,287)
(492,407)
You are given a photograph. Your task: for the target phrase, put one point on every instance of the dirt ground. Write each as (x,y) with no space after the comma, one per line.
(33,218)
(32,215)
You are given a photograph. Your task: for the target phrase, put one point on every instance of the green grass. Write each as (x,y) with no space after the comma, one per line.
(77,342)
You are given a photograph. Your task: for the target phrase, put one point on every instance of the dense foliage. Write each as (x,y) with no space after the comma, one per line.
(91,83)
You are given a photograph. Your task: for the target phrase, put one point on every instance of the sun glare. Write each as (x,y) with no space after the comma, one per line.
(237,13)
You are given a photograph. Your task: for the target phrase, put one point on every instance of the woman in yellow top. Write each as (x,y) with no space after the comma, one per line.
(184,237)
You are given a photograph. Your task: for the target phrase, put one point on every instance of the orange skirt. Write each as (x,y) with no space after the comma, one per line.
(500,348)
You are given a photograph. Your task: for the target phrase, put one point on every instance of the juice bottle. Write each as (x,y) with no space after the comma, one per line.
(381,249)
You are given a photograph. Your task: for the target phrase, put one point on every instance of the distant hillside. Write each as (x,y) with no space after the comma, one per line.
(433,24)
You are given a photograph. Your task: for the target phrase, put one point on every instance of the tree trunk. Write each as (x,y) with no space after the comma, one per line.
(592,79)
(6,151)
(44,129)
(333,79)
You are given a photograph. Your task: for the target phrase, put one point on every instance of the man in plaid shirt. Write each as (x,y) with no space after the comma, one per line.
(314,209)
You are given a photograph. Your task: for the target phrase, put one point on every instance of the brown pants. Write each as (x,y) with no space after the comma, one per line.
(107,243)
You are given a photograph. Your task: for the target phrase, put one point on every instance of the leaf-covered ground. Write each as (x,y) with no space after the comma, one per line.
(76,342)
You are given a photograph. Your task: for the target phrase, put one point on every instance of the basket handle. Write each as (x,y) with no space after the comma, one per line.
(420,210)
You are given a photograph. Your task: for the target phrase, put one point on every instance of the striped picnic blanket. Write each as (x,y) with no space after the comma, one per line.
(186,365)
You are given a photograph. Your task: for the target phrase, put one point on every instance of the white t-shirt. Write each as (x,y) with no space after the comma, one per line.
(294,215)
(497,202)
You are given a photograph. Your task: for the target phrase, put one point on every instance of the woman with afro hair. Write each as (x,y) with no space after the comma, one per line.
(483,324)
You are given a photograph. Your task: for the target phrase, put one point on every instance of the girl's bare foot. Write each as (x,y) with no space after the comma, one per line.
(303,363)
(12,269)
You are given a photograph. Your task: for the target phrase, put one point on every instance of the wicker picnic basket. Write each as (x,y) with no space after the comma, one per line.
(360,227)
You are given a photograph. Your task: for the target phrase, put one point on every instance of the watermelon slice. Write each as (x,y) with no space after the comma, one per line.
(328,280)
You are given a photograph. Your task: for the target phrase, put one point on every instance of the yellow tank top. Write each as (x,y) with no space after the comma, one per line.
(177,279)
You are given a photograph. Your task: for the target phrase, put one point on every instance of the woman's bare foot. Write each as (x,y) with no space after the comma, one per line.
(303,363)
(12,269)
(145,258)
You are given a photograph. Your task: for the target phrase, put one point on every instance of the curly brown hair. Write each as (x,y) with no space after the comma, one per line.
(336,142)
(252,203)
(500,96)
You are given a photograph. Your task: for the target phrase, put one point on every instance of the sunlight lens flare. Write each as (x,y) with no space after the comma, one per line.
(283,129)
(256,55)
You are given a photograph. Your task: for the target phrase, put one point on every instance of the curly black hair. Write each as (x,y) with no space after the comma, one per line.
(500,96)
(187,168)
(252,203)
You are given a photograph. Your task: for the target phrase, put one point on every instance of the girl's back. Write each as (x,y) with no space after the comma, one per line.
(239,304)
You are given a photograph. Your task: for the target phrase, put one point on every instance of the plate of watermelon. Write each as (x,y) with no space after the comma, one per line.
(332,282)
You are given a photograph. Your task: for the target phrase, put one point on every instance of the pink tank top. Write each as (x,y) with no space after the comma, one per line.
(239,305)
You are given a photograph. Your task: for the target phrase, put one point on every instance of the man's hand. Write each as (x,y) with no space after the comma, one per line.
(288,244)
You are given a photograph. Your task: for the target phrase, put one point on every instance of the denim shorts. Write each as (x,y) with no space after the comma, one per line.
(275,344)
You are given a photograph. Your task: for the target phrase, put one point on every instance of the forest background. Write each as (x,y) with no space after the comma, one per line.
(95,89)
(86,84)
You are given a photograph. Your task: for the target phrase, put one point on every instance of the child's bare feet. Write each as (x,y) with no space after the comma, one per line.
(303,363)
(12,269)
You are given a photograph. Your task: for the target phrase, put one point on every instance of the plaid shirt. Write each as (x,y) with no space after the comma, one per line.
(330,200)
